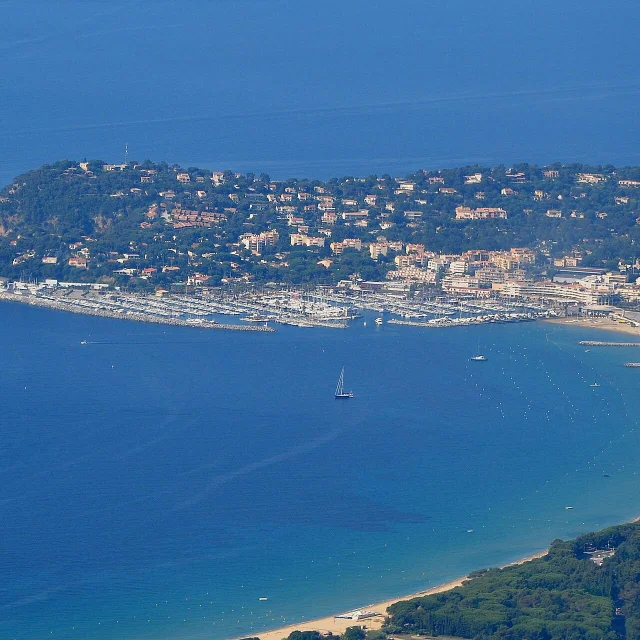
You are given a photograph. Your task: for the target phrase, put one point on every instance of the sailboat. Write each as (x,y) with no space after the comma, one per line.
(595,383)
(340,392)
(478,357)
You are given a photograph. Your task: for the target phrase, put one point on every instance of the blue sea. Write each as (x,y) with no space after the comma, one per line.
(156,482)
(319,88)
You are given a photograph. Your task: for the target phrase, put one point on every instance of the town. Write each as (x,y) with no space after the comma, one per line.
(437,248)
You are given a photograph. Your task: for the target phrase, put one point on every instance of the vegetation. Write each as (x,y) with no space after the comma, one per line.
(151,224)
(564,595)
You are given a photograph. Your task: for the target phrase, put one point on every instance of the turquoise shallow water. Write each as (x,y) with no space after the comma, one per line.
(157,482)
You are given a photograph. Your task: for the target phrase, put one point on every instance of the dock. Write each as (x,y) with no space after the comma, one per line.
(598,343)
(126,312)
(256,308)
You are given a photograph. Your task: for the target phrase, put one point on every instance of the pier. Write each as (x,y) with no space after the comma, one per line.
(132,312)
(598,343)
(254,309)
(466,322)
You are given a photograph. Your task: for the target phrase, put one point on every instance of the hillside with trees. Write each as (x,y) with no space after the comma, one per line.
(585,589)
(150,224)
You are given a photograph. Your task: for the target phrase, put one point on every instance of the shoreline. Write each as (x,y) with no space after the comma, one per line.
(335,625)
(605,324)
(339,625)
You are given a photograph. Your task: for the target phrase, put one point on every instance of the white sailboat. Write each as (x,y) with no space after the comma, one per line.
(340,392)
(478,357)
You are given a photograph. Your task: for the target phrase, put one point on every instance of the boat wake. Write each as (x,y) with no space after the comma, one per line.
(229,476)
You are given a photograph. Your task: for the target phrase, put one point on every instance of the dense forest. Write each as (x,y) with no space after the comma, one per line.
(151,224)
(584,589)
(564,595)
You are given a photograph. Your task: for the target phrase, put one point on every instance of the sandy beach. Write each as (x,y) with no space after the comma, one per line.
(597,323)
(339,625)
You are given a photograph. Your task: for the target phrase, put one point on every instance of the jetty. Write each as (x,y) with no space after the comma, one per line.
(131,311)
(501,318)
(599,343)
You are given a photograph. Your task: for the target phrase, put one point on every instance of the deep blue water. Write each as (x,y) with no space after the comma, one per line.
(318,88)
(159,481)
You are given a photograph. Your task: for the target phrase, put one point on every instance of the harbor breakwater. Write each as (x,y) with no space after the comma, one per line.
(135,316)
(598,343)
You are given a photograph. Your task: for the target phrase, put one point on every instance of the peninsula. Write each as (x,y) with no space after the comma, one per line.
(435,248)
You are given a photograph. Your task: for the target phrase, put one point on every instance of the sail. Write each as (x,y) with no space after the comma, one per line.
(340,392)
(340,386)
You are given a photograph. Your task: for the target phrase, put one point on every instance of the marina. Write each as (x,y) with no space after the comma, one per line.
(132,309)
(257,309)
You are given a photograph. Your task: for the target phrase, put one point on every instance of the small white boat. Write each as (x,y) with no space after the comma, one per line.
(84,342)
(568,508)
(262,599)
(479,358)
(379,321)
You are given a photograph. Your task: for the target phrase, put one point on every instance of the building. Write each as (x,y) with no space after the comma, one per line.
(458,267)
(412,273)
(482,213)
(355,215)
(329,217)
(302,240)
(377,249)
(347,243)
(404,261)
(256,243)
(576,293)
(590,178)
